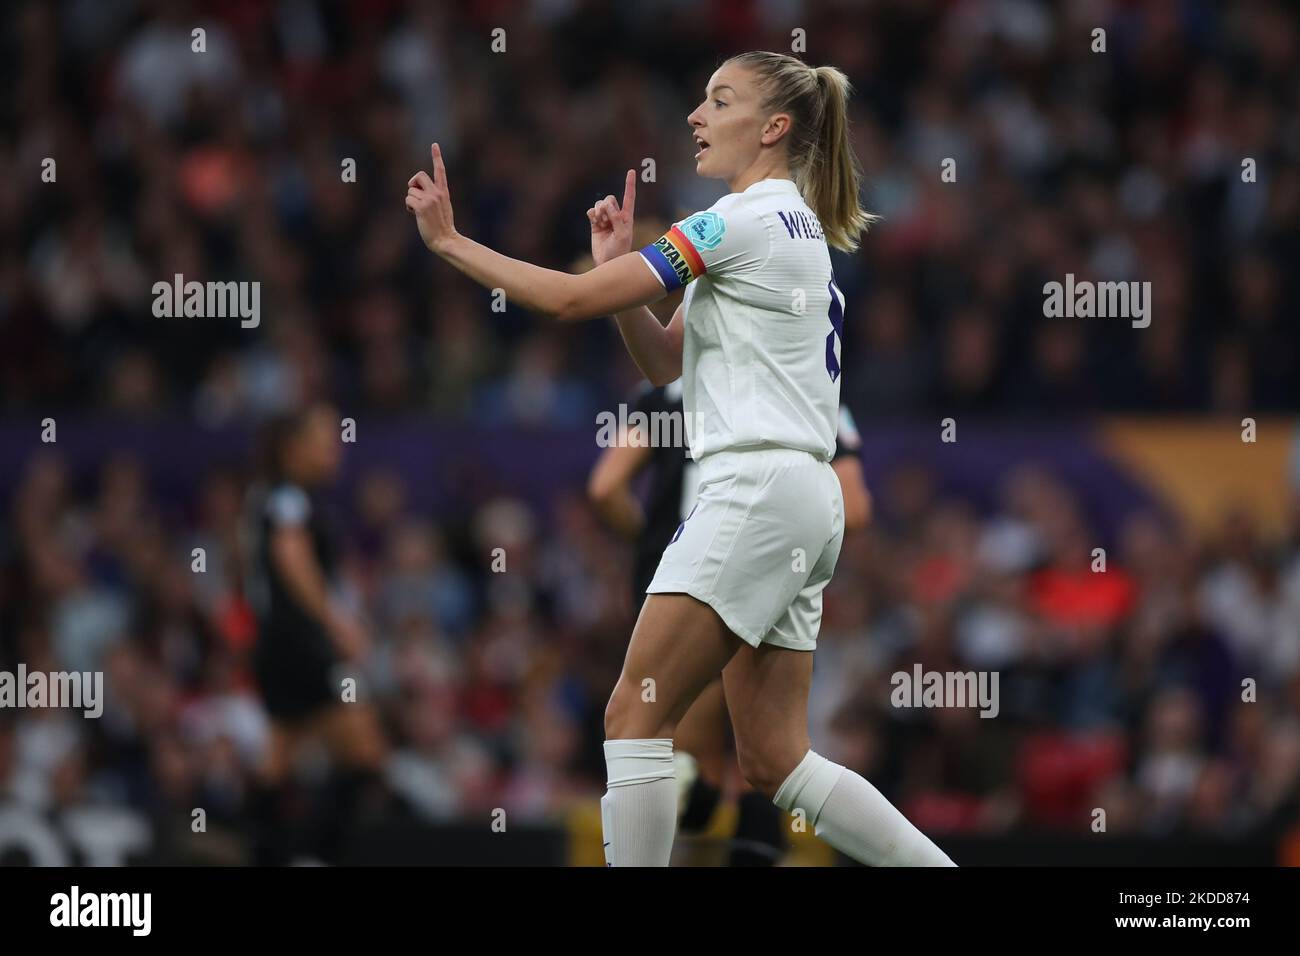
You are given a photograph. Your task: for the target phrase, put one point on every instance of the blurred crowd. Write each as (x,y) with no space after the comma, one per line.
(491,686)
(1121,690)
(233,164)
(1159,682)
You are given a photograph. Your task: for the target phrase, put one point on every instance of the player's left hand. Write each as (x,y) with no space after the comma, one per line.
(611,226)
(430,201)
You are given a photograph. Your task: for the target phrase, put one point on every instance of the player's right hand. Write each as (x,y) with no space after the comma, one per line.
(349,636)
(611,227)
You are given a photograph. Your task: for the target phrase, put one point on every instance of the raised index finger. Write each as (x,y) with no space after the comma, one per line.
(439,170)
(629,193)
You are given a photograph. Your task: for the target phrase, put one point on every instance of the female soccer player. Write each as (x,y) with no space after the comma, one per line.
(756,343)
(304,635)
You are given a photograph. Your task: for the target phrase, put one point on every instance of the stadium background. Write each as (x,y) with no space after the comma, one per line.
(475,429)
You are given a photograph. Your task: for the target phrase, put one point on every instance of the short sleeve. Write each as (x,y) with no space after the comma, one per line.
(716,242)
(287,507)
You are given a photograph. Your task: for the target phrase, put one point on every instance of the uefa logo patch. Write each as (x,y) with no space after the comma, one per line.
(704,229)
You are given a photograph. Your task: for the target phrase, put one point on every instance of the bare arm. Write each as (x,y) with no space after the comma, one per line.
(292,556)
(291,553)
(619,284)
(610,487)
(656,349)
(857,500)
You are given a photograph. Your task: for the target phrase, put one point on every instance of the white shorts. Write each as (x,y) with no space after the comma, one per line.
(760,545)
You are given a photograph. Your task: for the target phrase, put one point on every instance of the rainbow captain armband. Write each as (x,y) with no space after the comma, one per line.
(674,260)
(675,256)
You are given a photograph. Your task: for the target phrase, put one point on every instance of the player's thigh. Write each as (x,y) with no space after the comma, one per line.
(678,646)
(767,694)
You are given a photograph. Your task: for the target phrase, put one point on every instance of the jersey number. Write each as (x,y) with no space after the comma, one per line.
(837,329)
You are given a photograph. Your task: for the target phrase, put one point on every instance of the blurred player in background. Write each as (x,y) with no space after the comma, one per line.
(700,745)
(759,363)
(307,637)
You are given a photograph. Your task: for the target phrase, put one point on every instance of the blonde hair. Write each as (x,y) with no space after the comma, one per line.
(821,158)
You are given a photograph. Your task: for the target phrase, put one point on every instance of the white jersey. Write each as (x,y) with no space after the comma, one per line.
(763,322)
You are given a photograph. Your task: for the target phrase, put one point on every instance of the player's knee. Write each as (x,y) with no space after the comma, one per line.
(629,717)
(765,764)
(613,716)
(620,714)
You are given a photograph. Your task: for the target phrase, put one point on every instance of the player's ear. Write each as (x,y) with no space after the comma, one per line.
(777,126)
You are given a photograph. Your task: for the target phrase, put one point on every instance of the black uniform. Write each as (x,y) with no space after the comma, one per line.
(294,657)
(664,510)
(673,482)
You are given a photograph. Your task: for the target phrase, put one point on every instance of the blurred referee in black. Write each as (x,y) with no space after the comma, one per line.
(700,743)
(307,639)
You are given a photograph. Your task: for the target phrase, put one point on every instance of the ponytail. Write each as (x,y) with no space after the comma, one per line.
(833,179)
(821,158)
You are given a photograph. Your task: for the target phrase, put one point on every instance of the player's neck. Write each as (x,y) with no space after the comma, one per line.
(757,173)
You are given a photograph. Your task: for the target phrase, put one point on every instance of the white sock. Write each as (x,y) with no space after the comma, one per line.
(851,815)
(638,813)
